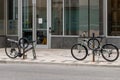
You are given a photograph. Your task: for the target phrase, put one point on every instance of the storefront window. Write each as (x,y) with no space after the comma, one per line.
(113,17)
(27,19)
(83,16)
(12,28)
(79,16)
(2,17)
(71,17)
(57,17)
(41,32)
(94,17)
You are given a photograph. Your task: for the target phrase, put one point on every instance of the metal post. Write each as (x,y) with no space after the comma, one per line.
(34,27)
(93,59)
(34,53)
(24,56)
(88,17)
(34,18)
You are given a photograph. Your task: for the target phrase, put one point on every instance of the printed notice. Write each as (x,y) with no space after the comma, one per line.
(40,20)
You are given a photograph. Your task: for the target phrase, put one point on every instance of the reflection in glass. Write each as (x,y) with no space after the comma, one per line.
(41,7)
(83,16)
(12,28)
(114,17)
(71,15)
(57,17)
(2,17)
(94,17)
(41,14)
(41,37)
(27,19)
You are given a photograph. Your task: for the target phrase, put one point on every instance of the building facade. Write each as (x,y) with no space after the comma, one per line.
(58,23)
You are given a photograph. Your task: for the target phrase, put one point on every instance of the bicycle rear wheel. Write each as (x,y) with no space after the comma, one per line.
(79,52)
(12,50)
(110,52)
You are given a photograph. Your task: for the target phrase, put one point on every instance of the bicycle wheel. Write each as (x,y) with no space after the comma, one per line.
(24,43)
(110,52)
(12,50)
(93,44)
(79,52)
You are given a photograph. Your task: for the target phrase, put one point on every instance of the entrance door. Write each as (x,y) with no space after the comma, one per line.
(27,19)
(36,22)
(41,24)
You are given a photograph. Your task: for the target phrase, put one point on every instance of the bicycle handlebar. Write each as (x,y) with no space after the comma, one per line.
(101,37)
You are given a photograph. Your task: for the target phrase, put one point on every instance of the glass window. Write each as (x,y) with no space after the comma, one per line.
(114,17)
(41,32)
(2,17)
(79,16)
(71,17)
(57,17)
(83,18)
(12,28)
(82,15)
(27,19)
(94,17)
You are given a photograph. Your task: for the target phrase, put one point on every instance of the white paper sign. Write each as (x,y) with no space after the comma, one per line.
(40,20)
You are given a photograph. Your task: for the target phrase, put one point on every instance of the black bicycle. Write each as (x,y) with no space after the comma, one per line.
(16,48)
(109,52)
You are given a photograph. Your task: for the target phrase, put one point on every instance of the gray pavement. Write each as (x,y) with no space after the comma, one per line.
(57,56)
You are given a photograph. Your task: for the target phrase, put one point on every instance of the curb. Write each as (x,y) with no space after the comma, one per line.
(59,63)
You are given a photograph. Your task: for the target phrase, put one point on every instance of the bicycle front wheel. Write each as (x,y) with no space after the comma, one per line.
(110,52)
(93,44)
(12,50)
(79,52)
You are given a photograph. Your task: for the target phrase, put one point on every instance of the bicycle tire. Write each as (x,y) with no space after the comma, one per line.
(90,44)
(12,50)
(24,43)
(77,47)
(111,54)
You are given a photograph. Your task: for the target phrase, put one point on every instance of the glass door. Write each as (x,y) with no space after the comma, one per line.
(41,23)
(35,21)
(27,28)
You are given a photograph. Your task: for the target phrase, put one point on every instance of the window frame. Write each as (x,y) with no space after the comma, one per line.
(63,32)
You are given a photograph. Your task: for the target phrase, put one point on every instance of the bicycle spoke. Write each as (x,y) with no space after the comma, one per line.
(79,52)
(12,51)
(110,52)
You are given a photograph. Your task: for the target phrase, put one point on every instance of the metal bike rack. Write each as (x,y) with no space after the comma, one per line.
(93,58)
(27,48)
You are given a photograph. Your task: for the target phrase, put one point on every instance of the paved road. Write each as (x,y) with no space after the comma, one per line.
(57,72)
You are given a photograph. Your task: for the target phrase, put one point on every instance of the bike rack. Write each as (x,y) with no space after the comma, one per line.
(26,48)
(93,58)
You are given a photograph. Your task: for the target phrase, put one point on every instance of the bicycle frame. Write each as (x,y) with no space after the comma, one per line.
(108,51)
(15,45)
(26,49)
(29,48)
(85,42)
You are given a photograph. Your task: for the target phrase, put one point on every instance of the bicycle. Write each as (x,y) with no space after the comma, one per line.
(109,52)
(79,51)
(16,48)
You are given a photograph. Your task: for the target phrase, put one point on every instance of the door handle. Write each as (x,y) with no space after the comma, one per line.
(50,30)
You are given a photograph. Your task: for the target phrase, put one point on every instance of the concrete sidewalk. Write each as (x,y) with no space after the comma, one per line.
(57,56)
